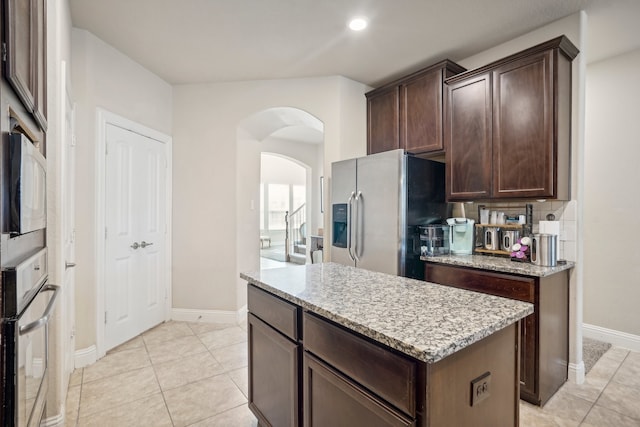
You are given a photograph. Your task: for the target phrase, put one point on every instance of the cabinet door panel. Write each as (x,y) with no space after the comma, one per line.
(468,139)
(383,132)
(421,113)
(273,375)
(331,399)
(528,357)
(523,133)
(19,21)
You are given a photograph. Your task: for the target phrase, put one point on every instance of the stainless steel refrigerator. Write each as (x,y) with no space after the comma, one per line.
(377,203)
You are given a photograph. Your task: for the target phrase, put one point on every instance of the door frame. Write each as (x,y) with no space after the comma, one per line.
(104,117)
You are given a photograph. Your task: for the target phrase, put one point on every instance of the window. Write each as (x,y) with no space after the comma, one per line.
(278,201)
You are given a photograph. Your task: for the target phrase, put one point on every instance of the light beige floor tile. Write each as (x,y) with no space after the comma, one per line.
(241,378)
(236,417)
(200,328)
(589,390)
(615,354)
(149,411)
(534,416)
(117,363)
(175,349)
(187,370)
(599,416)
(223,337)
(622,399)
(72,405)
(166,332)
(629,371)
(567,406)
(203,399)
(232,357)
(76,377)
(116,390)
(136,342)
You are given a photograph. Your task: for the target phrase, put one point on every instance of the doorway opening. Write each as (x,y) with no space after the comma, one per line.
(286,145)
(283,213)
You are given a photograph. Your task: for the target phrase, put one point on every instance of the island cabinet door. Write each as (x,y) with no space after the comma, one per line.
(273,375)
(332,399)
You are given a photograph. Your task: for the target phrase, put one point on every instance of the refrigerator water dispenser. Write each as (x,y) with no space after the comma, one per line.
(340,225)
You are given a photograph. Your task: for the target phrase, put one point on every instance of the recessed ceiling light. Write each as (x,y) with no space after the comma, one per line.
(358,24)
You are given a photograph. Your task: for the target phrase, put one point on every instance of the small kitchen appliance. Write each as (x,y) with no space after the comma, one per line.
(461,236)
(544,250)
(434,240)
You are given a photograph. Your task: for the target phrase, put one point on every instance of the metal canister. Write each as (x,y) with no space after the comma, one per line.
(544,250)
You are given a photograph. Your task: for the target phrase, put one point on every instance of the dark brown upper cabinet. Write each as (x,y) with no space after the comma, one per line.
(24,54)
(408,113)
(508,127)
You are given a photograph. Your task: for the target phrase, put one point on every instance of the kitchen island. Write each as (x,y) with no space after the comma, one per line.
(336,345)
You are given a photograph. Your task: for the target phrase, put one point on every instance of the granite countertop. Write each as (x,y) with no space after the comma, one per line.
(504,265)
(421,319)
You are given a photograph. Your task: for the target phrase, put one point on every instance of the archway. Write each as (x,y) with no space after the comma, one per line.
(288,133)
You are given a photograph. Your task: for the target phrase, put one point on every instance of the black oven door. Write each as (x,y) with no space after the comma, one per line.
(26,355)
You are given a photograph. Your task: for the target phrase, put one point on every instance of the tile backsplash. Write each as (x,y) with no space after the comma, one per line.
(565,212)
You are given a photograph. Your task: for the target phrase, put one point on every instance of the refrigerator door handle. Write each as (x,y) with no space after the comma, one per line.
(357,224)
(349,226)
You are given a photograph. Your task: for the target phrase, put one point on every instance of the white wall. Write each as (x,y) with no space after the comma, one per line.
(611,267)
(104,78)
(58,51)
(216,170)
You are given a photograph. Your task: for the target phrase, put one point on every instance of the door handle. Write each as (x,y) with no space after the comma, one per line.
(69,265)
(135,245)
(357,224)
(144,244)
(23,330)
(349,226)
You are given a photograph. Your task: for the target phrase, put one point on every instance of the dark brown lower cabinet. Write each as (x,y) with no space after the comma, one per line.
(273,375)
(332,399)
(544,341)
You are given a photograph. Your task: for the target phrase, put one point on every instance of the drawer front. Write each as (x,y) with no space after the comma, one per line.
(502,285)
(387,374)
(279,314)
(331,399)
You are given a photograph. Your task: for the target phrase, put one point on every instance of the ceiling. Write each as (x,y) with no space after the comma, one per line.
(198,41)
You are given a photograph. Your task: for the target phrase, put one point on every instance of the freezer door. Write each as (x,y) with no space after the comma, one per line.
(343,191)
(378,223)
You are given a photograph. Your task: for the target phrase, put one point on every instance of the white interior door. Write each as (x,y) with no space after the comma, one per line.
(68,222)
(135,282)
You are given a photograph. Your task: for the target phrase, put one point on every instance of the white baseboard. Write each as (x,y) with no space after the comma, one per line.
(617,338)
(206,316)
(86,356)
(576,372)
(242,314)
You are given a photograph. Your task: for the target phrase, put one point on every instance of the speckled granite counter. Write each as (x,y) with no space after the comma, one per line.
(423,320)
(504,265)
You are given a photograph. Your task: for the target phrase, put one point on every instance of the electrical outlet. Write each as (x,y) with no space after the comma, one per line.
(480,388)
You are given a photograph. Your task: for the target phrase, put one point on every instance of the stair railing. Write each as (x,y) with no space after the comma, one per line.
(296,219)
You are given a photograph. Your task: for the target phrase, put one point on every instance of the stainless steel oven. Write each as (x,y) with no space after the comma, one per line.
(27,302)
